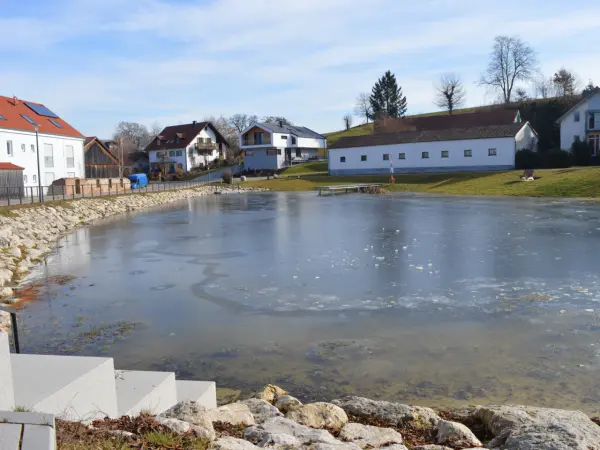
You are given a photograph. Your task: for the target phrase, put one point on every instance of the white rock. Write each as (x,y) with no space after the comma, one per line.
(261,409)
(366,436)
(319,415)
(338,446)
(286,403)
(6,292)
(270,393)
(193,413)
(456,434)
(229,443)
(5,277)
(234,413)
(283,426)
(15,252)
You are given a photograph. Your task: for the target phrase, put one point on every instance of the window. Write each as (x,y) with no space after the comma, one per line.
(55,123)
(179,153)
(468,153)
(48,156)
(158,141)
(284,137)
(592,122)
(9,150)
(22,147)
(293,140)
(32,148)
(34,179)
(594,141)
(386,156)
(70,155)
(298,153)
(576,116)
(70,174)
(401,155)
(258,138)
(363,157)
(424,155)
(279,151)
(492,152)
(445,153)
(342,159)
(28,119)
(25,179)
(171,152)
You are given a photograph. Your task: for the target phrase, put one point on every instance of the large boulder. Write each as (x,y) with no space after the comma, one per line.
(261,409)
(454,433)
(286,403)
(366,436)
(529,428)
(272,429)
(392,414)
(193,413)
(229,443)
(270,393)
(5,277)
(319,415)
(234,414)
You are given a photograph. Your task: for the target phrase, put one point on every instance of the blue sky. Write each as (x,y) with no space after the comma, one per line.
(96,62)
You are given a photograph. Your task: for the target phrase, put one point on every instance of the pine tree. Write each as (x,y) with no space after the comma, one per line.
(386,97)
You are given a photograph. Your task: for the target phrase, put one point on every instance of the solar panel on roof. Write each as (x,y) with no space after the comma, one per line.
(2,117)
(54,122)
(29,119)
(40,110)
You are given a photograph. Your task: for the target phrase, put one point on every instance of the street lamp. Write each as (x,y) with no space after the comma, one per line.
(37,148)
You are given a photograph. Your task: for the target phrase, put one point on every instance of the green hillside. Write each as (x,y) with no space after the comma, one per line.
(360,130)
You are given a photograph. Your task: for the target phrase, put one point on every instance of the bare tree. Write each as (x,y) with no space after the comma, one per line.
(241,121)
(543,87)
(450,92)
(363,106)
(348,121)
(565,83)
(155,130)
(135,132)
(228,131)
(276,120)
(511,60)
(521,95)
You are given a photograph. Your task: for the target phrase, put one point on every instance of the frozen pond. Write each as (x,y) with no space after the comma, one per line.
(421,299)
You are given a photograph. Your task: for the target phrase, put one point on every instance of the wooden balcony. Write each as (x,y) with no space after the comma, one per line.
(264,141)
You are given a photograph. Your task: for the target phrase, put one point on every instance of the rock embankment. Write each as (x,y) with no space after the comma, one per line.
(355,423)
(27,234)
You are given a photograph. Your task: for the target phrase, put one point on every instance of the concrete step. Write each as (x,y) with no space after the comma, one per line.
(7,395)
(138,391)
(34,431)
(77,388)
(202,392)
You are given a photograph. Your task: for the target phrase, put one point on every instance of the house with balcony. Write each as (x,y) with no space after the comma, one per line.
(186,147)
(272,146)
(582,123)
(29,131)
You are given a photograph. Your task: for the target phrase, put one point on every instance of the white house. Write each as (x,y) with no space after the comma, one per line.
(60,146)
(273,146)
(190,146)
(451,150)
(582,122)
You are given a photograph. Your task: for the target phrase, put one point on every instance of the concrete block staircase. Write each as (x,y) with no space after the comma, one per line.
(83,388)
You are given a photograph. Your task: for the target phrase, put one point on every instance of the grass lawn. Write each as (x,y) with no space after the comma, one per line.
(574,182)
(311,167)
(360,130)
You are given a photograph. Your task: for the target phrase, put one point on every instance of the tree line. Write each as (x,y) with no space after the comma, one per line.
(512,64)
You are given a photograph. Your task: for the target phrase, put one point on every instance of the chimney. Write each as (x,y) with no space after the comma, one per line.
(281,123)
(194,123)
(15,100)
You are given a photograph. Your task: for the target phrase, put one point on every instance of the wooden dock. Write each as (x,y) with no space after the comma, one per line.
(345,188)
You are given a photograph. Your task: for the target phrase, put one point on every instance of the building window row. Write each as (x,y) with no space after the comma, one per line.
(175,153)
(425,155)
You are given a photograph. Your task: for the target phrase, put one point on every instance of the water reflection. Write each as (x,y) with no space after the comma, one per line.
(419,299)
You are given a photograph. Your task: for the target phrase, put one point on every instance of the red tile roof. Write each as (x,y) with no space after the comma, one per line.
(10,166)
(12,109)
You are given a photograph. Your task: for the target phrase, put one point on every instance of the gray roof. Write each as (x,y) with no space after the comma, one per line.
(452,134)
(292,129)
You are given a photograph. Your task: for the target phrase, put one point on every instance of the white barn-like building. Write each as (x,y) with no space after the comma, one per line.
(480,148)
(582,122)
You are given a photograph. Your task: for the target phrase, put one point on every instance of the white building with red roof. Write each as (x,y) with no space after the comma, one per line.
(60,145)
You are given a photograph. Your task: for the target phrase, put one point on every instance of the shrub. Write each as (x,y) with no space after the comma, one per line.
(527,159)
(227,177)
(582,153)
(558,159)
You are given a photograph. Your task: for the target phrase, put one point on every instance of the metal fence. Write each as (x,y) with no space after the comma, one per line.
(24,195)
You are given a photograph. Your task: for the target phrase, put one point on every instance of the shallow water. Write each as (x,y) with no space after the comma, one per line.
(429,300)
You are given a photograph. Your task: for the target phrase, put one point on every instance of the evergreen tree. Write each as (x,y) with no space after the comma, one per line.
(386,97)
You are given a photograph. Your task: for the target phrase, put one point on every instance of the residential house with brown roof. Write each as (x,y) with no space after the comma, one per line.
(190,146)
(58,145)
(476,148)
